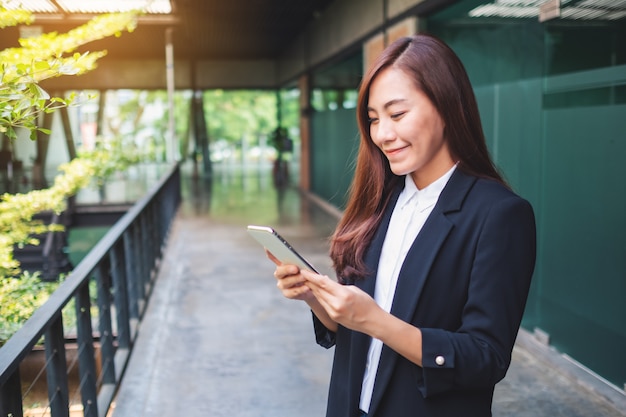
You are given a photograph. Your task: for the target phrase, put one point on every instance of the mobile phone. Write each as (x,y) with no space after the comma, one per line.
(279,247)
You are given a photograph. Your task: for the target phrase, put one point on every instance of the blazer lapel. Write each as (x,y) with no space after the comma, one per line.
(427,244)
(415,269)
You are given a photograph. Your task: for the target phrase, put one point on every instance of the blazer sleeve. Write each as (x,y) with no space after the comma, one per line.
(478,353)
(323,336)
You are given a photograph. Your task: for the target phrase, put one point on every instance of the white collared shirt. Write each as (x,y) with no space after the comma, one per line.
(409,215)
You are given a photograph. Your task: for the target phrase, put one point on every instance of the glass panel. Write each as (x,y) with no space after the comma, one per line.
(334,128)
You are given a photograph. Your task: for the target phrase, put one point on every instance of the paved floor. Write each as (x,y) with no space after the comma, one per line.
(218,339)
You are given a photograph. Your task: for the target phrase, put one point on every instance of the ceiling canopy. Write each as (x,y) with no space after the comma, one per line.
(201,29)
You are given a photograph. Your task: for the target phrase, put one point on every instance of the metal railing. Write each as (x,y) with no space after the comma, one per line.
(123,266)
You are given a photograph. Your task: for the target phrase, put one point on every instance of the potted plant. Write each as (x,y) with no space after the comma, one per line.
(283,145)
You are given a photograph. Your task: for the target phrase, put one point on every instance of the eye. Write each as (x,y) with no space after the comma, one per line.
(398,115)
(372,120)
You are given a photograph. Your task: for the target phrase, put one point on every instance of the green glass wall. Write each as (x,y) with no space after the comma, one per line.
(334,154)
(552,98)
(334,129)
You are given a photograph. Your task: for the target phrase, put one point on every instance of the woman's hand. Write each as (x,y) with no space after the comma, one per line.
(345,304)
(354,309)
(294,286)
(289,280)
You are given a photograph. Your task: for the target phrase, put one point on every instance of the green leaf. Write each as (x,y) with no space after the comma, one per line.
(42,65)
(22,69)
(20,87)
(11,133)
(38,92)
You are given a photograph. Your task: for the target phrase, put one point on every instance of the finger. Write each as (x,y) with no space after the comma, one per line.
(324,298)
(273,258)
(322,282)
(290,281)
(313,277)
(283,271)
(320,290)
(297,292)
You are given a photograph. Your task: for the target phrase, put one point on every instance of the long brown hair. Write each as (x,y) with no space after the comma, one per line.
(438,73)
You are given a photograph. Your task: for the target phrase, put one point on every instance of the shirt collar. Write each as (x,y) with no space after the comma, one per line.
(425,197)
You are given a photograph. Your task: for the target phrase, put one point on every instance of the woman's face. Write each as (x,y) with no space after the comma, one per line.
(407,128)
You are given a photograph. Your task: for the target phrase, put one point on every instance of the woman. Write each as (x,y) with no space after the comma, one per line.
(434,253)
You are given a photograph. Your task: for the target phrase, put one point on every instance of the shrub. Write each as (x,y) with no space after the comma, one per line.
(19,298)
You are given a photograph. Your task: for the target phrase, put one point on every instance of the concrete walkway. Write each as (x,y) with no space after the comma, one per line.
(218,339)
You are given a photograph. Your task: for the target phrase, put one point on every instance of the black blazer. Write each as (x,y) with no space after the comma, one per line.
(464,283)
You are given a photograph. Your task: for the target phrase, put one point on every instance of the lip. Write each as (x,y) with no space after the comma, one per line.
(395,151)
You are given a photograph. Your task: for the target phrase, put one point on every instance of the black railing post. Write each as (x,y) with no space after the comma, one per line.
(152,241)
(118,272)
(86,357)
(148,242)
(147,259)
(157,220)
(11,396)
(139,251)
(155,236)
(107,350)
(56,369)
(131,272)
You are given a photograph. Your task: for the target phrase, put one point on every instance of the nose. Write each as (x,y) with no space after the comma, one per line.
(382,131)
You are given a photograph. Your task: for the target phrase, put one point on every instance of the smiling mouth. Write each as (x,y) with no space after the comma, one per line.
(391,152)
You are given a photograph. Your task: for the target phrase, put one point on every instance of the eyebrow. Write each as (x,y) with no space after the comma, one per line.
(389,103)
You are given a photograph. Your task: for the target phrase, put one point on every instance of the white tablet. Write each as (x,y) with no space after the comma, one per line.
(279,247)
